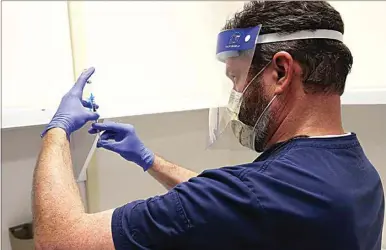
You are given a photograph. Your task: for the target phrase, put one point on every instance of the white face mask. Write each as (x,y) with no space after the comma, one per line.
(247,135)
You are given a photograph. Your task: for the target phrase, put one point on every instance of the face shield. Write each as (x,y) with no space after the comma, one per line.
(236,48)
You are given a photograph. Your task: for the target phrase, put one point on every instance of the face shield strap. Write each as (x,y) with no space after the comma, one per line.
(300,35)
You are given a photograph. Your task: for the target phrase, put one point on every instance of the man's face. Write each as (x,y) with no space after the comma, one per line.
(255,99)
(237,71)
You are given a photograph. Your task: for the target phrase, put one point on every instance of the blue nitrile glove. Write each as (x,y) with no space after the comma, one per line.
(122,139)
(72,113)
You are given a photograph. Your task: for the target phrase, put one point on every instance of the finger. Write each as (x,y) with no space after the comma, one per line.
(116,127)
(93,131)
(106,145)
(88,104)
(108,135)
(92,116)
(82,80)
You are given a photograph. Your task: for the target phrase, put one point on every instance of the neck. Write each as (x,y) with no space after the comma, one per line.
(313,115)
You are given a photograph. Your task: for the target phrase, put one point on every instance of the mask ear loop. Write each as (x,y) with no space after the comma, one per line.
(261,116)
(249,83)
(269,104)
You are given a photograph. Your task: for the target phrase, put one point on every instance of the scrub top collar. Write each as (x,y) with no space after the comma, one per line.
(276,148)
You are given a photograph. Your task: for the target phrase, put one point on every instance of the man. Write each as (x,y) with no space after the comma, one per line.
(311,188)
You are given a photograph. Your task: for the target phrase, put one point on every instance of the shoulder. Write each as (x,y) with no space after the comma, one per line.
(212,203)
(222,186)
(303,178)
(218,203)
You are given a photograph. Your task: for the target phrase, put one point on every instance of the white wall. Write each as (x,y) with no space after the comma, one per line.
(365,36)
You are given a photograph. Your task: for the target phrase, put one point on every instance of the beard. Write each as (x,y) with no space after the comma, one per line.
(251,113)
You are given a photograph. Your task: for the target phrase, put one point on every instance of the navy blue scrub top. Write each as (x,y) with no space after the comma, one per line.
(306,193)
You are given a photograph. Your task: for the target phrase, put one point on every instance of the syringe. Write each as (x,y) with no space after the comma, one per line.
(91,99)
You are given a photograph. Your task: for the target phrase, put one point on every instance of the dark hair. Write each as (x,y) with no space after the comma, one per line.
(325,63)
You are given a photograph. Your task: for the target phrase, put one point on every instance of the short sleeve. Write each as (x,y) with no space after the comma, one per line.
(213,204)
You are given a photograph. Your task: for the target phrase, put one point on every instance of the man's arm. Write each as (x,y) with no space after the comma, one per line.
(202,213)
(169,174)
(122,139)
(60,221)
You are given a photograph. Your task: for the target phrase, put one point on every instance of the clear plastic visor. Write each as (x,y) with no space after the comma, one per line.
(235,50)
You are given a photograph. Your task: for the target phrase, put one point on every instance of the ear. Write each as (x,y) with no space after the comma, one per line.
(284,66)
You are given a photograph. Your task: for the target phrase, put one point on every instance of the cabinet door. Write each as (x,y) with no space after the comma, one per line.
(151,57)
(36,60)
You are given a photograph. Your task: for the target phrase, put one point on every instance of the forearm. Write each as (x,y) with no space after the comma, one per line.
(169,174)
(57,204)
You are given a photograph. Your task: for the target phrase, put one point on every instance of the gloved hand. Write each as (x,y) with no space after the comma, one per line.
(122,139)
(72,113)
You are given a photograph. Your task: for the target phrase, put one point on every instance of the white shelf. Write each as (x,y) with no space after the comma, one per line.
(18,117)
(24,117)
